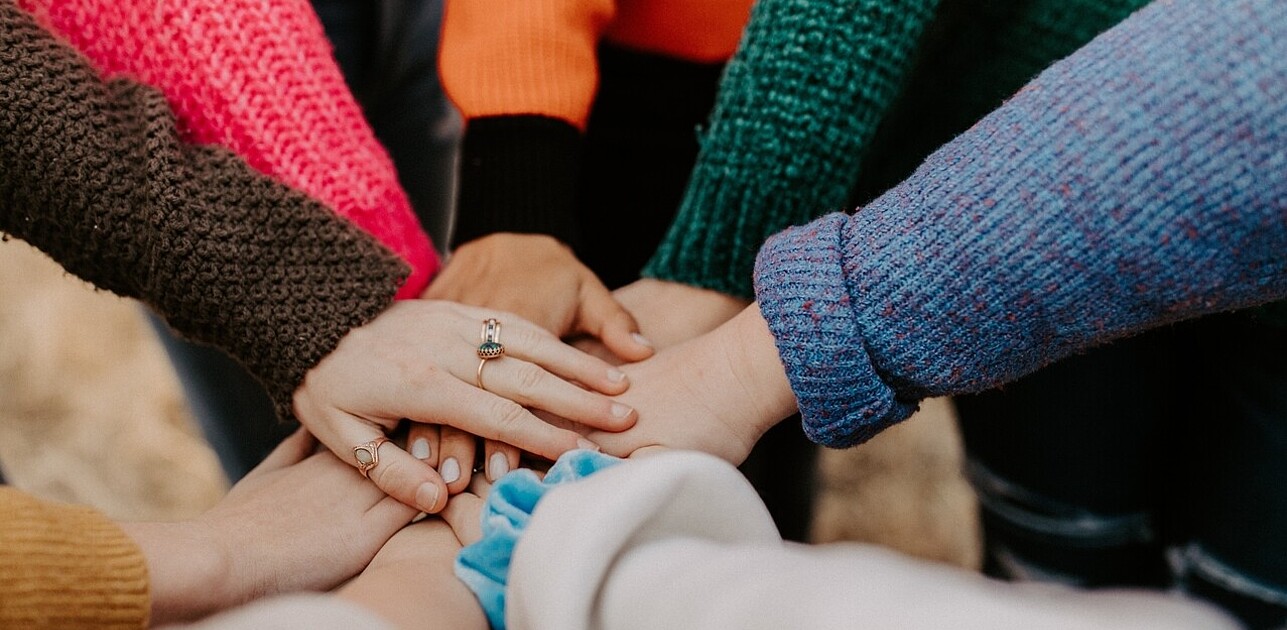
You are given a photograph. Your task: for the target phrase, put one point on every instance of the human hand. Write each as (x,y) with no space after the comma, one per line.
(412,584)
(540,279)
(673,312)
(418,361)
(718,392)
(301,520)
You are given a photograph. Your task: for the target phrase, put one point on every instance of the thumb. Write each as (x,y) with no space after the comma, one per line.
(602,316)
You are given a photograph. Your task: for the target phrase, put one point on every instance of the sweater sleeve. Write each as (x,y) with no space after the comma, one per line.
(257,77)
(101,182)
(1136,182)
(799,101)
(67,566)
(525,76)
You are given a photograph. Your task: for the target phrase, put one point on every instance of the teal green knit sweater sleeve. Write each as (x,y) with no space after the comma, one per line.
(806,90)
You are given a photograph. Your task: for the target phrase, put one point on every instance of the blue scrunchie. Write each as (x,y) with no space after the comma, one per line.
(484,565)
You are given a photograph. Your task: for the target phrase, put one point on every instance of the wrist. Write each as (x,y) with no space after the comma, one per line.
(757,368)
(188,570)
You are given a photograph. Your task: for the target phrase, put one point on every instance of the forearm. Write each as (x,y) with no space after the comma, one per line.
(799,101)
(186,568)
(102,184)
(256,77)
(1135,183)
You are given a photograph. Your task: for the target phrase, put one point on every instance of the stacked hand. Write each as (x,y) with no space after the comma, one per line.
(419,361)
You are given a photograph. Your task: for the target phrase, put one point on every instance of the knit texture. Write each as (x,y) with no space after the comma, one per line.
(67,566)
(1135,183)
(518,174)
(538,57)
(806,89)
(101,182)
(257,77)
(817,84)
(518,71)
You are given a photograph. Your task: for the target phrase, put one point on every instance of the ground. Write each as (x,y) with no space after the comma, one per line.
(90,412)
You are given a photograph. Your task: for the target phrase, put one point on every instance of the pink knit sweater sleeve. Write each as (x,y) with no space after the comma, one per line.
(258,77)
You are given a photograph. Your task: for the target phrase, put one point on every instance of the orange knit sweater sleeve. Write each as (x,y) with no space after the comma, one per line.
(524,75)
(538,56)
(67,567)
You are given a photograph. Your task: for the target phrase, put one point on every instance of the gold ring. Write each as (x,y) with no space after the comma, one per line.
(478,380)
(491,347)
(368,455)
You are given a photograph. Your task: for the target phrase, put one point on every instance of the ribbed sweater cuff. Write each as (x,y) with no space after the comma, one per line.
(842,397)
(518,174)
(67,566)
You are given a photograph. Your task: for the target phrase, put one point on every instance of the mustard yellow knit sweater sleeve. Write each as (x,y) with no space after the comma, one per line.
(67,566)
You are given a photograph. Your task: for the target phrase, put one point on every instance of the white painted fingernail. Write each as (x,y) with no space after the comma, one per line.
(641,340)
(497,466)
(616,376)
(427,496)
(420,449)
(620,411)
(587,445)
(450,470)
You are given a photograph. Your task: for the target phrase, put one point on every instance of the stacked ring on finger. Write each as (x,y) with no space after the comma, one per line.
(490,348)
(368,455)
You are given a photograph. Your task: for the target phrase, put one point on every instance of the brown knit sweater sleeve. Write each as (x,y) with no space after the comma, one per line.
(67,566)
(94,174)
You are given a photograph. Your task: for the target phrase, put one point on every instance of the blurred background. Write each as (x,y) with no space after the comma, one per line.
(92,413)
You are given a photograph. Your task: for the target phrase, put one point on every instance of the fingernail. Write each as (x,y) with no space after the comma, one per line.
(497,466)
(450,470)
(616,376)
(641,340)
(420,449)
(427,496)
(620,411)
(587,445)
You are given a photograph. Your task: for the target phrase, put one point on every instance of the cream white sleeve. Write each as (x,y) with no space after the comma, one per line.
(681,540)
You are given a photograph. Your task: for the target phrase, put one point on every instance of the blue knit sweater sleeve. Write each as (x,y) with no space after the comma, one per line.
(1139,181)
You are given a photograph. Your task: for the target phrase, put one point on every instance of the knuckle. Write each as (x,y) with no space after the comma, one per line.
(529,338)
(529,377)
(509,419)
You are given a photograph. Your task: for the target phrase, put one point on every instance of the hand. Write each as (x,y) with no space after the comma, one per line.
(301,520)
(412,582)
(539,279)
(718,393)
(673,312)
(418,361)
(668,313)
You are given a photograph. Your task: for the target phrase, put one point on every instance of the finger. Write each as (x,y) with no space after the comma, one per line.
(390,512)
(462,514)
(531,385)
(292,450)
(526,341)
(480,486)
(396,472)
(500,458)
(486,415)
(457,458)
(602,316)
(423,442)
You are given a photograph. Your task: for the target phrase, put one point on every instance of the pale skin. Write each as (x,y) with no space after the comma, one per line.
(301,520)
(718,392)
(417,361)
(540,279)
